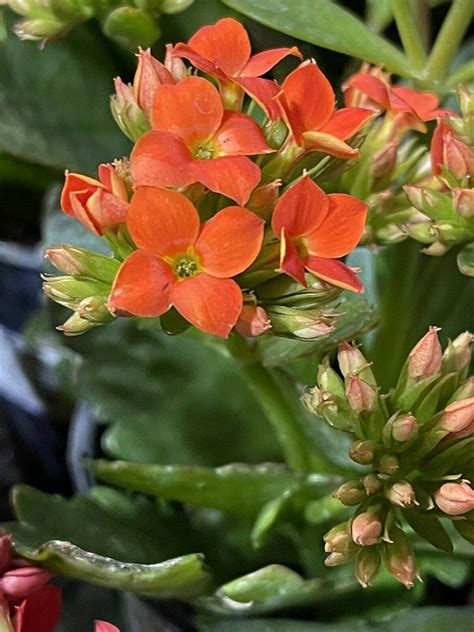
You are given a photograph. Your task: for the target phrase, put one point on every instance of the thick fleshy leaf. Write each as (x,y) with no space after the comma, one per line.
(307,99)
(198,114)
(162,222)
(161,159)
(210,304)
(334,272)
(40,612)
(141,287)
(341,229)
(225,43)
(263,92)
(291,263)
(465,260)
(261,63)
(239,135)
(230,241)
(326,24)
(233,176)
(346,122)
(301,209)
(225,488)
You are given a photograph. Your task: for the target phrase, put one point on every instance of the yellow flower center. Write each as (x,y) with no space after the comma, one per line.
(204,152)
(185,265)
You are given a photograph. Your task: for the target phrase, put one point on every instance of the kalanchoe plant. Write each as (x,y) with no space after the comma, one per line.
(416,445)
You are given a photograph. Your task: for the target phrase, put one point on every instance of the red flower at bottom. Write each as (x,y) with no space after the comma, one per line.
(316,229)
(184,264)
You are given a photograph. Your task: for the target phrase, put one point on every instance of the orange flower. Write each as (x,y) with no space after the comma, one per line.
(184,264)
(98,205)
(223,51)
(196,140)
(450,151)
(316,229)
(308,104)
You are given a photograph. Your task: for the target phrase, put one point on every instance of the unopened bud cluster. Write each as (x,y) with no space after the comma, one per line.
(416,443)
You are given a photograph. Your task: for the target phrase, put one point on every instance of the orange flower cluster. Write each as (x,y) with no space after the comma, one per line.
(195,153)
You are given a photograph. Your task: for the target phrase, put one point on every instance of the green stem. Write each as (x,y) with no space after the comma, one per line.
(407,28)
(449,38)
(464,74)
(290,434)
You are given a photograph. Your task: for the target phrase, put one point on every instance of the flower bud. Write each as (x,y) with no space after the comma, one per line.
(399,558)
(175,65)
(465,391)
(131,27)
(352,362)
(401,494)
(21,582)
(75,326)
(150,74)
(463,201)
(404,428)
(372,484)
(366,529)
(351,493)
(458,416)
(303,324)
(384,160)
(458,353)
(330,381)
(69,291)
(466,100)
(455,499)
(253,321)
(127,114)
(388,464)
(367,565)
(263,198)
(76,261)
(94,309)
(336,559)
(5,552)
(424,360)
(338,539)
(363,452)
(458,157)
(362,396)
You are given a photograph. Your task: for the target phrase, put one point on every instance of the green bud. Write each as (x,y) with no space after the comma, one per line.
(285,291)
(130,27)
(367,565)
(338,539)
(457,355)
(127,114)
(351,493)
(308,324)
(69,291)
(399,558)
(75,326)
(76,261)
(94,309)
(372,484)
(388,464)
(330,381)
(363,452)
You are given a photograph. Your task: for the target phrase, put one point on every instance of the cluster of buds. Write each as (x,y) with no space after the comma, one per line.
(444,214)
(416,445)
(129,23)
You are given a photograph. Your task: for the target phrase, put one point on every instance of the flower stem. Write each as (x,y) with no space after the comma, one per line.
(409,34)
(463,74)
(449,37)
(280,414)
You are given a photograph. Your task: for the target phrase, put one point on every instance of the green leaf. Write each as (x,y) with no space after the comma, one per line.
(55,102)
(448,569)
(466,260)
(225,488)
(357,318)
(183,577)
(326,24)
(430,528)
(269,589)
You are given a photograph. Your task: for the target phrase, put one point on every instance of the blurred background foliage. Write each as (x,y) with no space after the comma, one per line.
(178,400)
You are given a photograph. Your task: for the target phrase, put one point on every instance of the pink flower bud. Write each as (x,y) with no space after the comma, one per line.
(263,198)
(455,499)
(21,582)
(458,416)
(366,529)
(103,626)
(338,539)
(175,65)
(352,362)
(399,558)
(363,452)
(463,201)
(350,493)
(401,494)
(361,395)
(253,321)
(424,360)
(150,74)
(404,428)
(448,150)
(384,161)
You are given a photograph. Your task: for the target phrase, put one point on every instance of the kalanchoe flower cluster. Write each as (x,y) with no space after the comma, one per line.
(213,218)
(416,444)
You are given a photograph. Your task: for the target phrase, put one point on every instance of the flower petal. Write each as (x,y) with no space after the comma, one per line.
(210,304)
(328,144)
(161,159)
(104,210)
(230,241)
(291,262)
(301,209)
(232,176)
(162,222)
(192,109)
(198,61)
(239,135)
(373,87)
(225,43)
(141,287)
(307,99)
(263,92)
(334,272)
(424,104)
(73,183)
(346,122)
(40,612)
(112,181)
(437,145)
(341,229)
(261,63)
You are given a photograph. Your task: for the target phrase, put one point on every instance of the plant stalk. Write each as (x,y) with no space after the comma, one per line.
(409,34)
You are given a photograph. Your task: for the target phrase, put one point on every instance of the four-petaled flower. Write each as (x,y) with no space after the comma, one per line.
(316,229)
(223,51)
(98,205)
(184,264)
(195,140)
(308,105)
